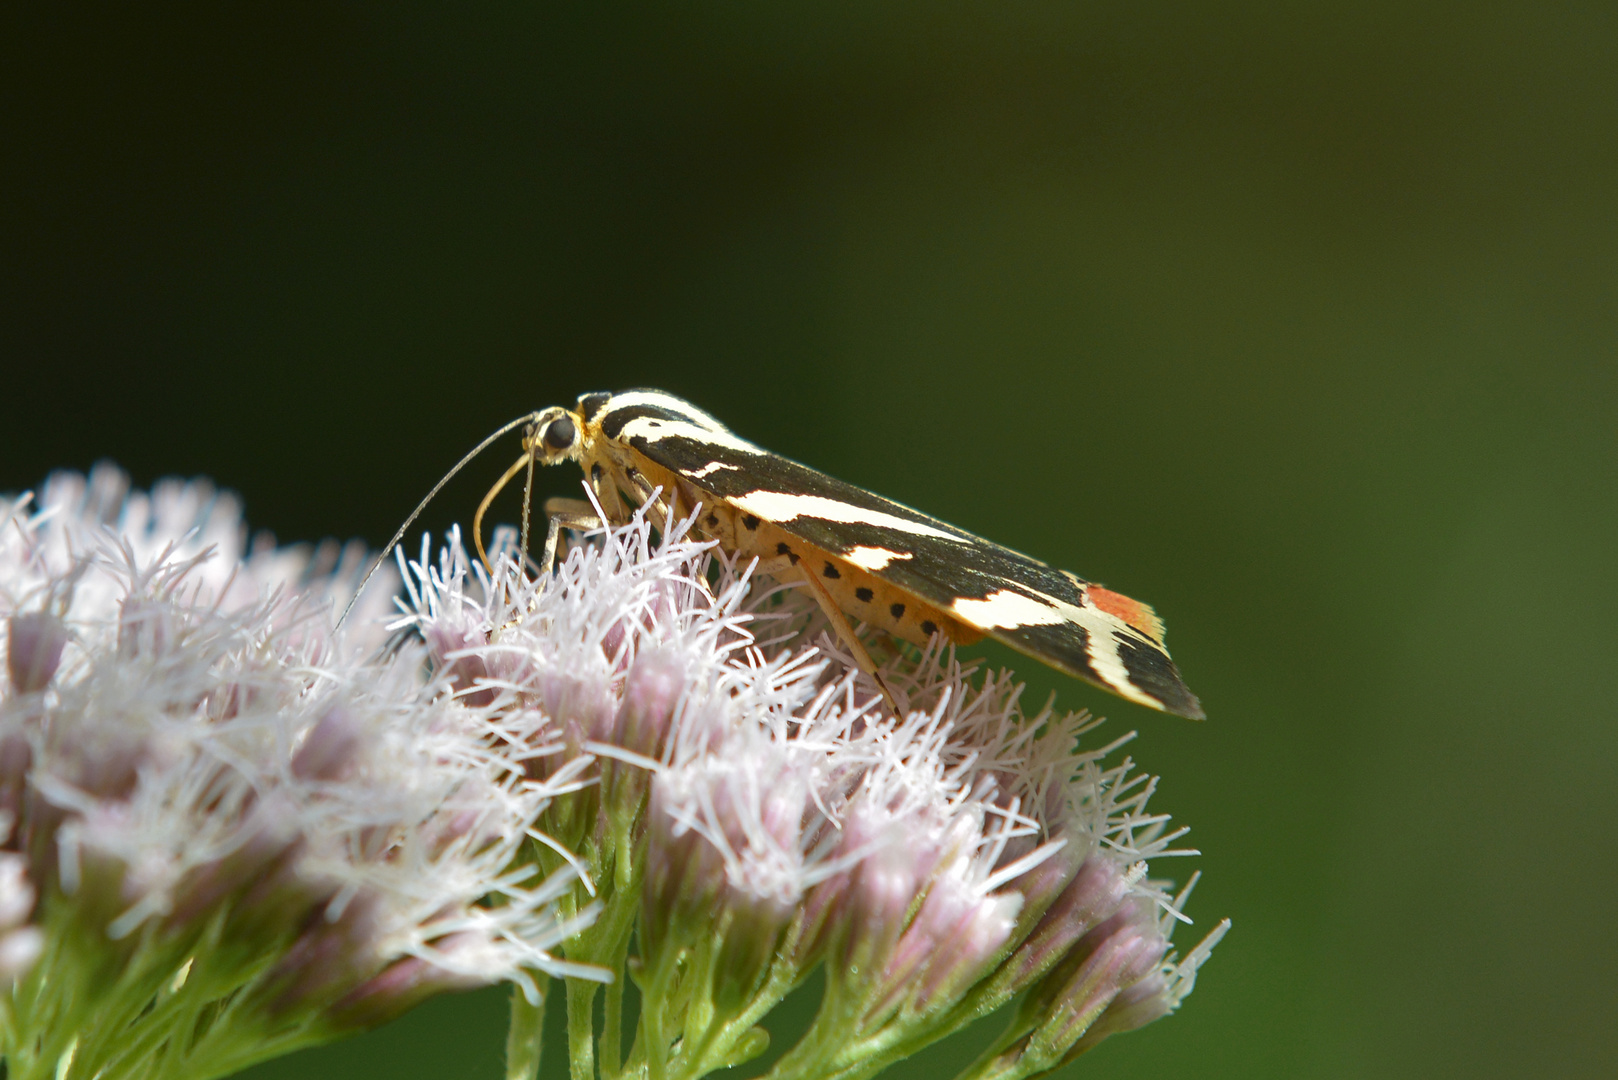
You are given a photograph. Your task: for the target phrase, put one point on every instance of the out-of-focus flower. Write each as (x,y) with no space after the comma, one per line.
(226,832)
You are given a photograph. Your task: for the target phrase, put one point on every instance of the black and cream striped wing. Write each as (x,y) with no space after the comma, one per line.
(1051,615)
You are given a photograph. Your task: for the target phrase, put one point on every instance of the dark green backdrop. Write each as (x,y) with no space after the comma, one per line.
(1299,325)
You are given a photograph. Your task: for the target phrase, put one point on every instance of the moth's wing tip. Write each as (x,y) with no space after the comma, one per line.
(1167,689)
(1187,706)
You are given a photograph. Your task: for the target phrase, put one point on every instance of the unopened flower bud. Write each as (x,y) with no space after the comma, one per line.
(330,955)
(971,931)
(949,945)
(16,755)
(1043,883)
(402,985)
(330,748)
(683,874)
(1112,957)
(1134,1007)
(34,643)
(862,910)
(253,867)
(752,928)
(651,693)
(452,646)
(1096,891)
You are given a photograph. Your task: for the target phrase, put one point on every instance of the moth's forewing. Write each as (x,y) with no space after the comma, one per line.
(877,549)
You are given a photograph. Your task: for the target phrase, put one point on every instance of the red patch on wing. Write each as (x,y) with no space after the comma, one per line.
(1136,614)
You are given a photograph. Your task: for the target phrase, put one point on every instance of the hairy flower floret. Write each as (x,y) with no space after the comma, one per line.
(226,830)
(755,811)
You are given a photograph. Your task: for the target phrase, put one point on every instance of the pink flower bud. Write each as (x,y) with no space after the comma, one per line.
(401,986)
(1094,895)
(1112,957)
(1134,1007)
(34,643)
(330,748)
(949,946)
(651,693)
(330,955)
(449,644)
(684,874)
(257,862)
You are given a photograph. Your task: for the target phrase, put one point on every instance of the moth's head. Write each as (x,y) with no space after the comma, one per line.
(556,435)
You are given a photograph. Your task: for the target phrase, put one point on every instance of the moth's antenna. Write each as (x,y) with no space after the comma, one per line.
(527,500)
(414,514)
(499,485)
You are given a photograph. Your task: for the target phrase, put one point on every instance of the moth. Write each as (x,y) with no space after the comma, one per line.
(861,556)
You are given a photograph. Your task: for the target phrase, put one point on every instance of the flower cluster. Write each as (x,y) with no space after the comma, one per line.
(228,830)
(224,833)
(758,813)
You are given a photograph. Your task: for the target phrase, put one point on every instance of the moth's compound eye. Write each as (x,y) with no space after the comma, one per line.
(559,434)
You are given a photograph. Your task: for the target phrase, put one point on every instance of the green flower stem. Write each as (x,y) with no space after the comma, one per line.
(711,1038)
(617,856)
(611,1050)
(651,1042)
(581,996)
(617,923)
(525,1036)
(840,1046)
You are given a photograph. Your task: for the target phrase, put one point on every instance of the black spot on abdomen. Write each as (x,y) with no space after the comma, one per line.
(897,611)
(929,627)
(831,571)
(864,595)
(783,549)
(751,521)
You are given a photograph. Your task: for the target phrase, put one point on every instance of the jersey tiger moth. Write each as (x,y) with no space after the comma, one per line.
(860,555)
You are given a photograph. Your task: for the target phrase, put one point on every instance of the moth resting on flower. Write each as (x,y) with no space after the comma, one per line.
(228,830)
(861,556)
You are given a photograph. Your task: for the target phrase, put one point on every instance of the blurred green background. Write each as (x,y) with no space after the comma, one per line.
(1297,322)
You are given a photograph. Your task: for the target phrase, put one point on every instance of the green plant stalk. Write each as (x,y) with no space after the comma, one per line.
(526,1033)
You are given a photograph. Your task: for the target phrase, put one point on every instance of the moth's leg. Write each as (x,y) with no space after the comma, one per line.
(632,482)
(667,507)
(845,634)
(604,482)
(559,514)
(564,514)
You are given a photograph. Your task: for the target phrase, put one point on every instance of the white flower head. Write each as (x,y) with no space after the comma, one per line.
(758,811)
(204,784)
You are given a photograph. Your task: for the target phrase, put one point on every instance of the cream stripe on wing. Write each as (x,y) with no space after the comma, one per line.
(779,506)
(874,558)
(711,467)
(660,400)
(652,429)
(1009,610)
(1103,649)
